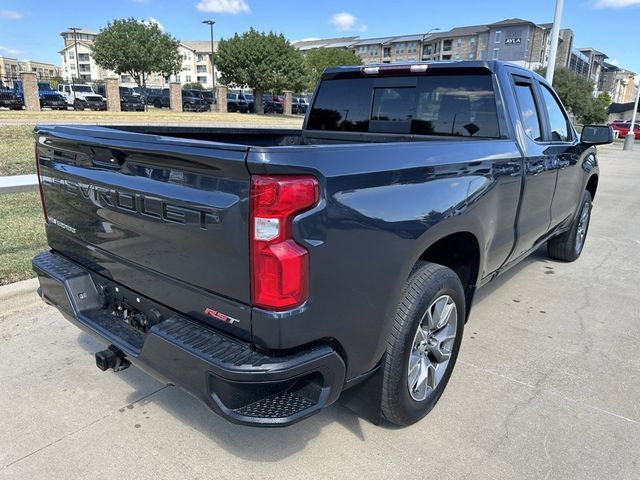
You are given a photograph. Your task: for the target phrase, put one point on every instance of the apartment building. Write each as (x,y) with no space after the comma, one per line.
(196,62)
(620,83)
(11,68)
(514,40)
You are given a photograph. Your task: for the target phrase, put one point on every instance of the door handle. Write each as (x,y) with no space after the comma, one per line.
(535,169)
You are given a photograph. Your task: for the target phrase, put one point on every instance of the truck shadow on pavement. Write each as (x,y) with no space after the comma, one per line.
(249,443)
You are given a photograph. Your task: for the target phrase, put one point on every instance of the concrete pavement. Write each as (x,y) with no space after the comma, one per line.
(547,387)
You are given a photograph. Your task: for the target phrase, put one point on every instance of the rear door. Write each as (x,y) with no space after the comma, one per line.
(166,217)
(534,216)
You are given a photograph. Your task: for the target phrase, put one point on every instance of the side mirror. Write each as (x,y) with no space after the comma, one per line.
(596,135)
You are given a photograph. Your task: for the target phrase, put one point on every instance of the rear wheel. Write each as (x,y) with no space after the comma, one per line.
(424,343)
(78,105)
(157,104)
(568,246)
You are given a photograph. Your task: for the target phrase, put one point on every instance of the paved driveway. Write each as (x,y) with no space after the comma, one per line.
(547,386)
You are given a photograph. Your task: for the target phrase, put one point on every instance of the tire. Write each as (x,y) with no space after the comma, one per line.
(569,245)
(430,289)
(77,105)
(157,104)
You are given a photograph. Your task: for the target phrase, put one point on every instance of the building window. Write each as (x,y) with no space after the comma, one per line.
(187,78)
(472,40)
(413,47)
(496,53)
(457,56)
(84,57)
(373,50)
(459,42)
(386,52)
(428,49)
(201,57)
(186,68)
(202,79)
(470,56)
(362,49)
(71,55)
(73,66)
(446,45)
(496,37)
(201,69)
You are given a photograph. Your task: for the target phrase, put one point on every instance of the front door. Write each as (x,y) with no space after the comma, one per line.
(539,176)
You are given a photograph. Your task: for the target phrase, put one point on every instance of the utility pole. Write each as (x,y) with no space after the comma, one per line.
(75,46)
(555,33)
(211,23)
(631,136)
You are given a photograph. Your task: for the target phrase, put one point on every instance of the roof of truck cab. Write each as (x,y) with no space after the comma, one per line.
(490,65)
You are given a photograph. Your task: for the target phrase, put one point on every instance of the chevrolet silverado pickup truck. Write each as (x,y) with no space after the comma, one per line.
(270,272)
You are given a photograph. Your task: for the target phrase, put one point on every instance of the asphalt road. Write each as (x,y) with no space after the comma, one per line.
(547,386)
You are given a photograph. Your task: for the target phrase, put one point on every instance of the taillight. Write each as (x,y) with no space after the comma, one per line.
(279,265)
(44,207)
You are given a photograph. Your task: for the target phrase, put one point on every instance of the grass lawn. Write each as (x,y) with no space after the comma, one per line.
(16,150)
(154,115)
(21,235)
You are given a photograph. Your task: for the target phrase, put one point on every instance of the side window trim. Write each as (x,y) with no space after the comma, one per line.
(519,79)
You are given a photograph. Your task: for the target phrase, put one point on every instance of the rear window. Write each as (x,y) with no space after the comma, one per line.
(444,105)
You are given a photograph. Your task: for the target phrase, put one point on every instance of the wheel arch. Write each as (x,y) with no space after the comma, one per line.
(592,185)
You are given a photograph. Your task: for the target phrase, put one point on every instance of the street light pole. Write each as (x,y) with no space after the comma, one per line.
(213,70)
(424,38)
(75,47)
(631,136)
(555,33)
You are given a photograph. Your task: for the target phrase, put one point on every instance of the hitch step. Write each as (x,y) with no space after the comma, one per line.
(111,358)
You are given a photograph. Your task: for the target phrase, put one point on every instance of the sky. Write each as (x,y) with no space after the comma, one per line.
(30,29)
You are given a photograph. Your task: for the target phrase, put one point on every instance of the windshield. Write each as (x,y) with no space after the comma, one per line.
(248,96)
(82,88)
(44,86)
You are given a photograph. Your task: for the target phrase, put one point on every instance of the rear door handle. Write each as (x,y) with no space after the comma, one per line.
(535,169)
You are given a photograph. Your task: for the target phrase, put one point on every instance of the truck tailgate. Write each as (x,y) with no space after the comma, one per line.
(165,217)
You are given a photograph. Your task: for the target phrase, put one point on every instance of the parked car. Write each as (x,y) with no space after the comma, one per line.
(272,104)
(48,97)
(248,97)
(236,103)
(9,99)
(130,101)
(298,105)
(268,272)
(209,97)
(623,128)
(82,97)
(159,98)
(193,101)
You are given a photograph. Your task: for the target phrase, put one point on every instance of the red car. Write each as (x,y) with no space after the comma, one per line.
(624,127)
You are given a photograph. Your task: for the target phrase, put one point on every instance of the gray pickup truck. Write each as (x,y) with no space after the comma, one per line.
(271,272)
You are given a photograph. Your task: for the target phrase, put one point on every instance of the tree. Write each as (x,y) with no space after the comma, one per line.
(137,49)
(262,61)
(193,86)
(576,93)
(317,60)
(598,111)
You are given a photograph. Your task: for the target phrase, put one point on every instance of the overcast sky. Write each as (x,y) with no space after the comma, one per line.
(31,28)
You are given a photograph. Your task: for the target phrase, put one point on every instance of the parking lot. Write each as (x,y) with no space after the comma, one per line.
(547,386)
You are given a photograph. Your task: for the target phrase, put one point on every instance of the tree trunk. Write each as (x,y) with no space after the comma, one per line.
(258,105)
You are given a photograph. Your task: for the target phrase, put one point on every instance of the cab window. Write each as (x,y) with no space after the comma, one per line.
(558,121)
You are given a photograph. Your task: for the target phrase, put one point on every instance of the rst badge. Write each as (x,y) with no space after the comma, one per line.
(220,316)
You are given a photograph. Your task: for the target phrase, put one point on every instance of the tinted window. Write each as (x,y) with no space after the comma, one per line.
(557,119)
(342,105)
(456,105)
(528,111)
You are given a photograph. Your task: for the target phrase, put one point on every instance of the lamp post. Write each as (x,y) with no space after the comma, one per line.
(555,33)
(424,38)
(628,140)
(75,47)
(211,23)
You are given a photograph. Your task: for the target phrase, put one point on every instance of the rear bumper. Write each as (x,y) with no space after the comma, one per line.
(237,382)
